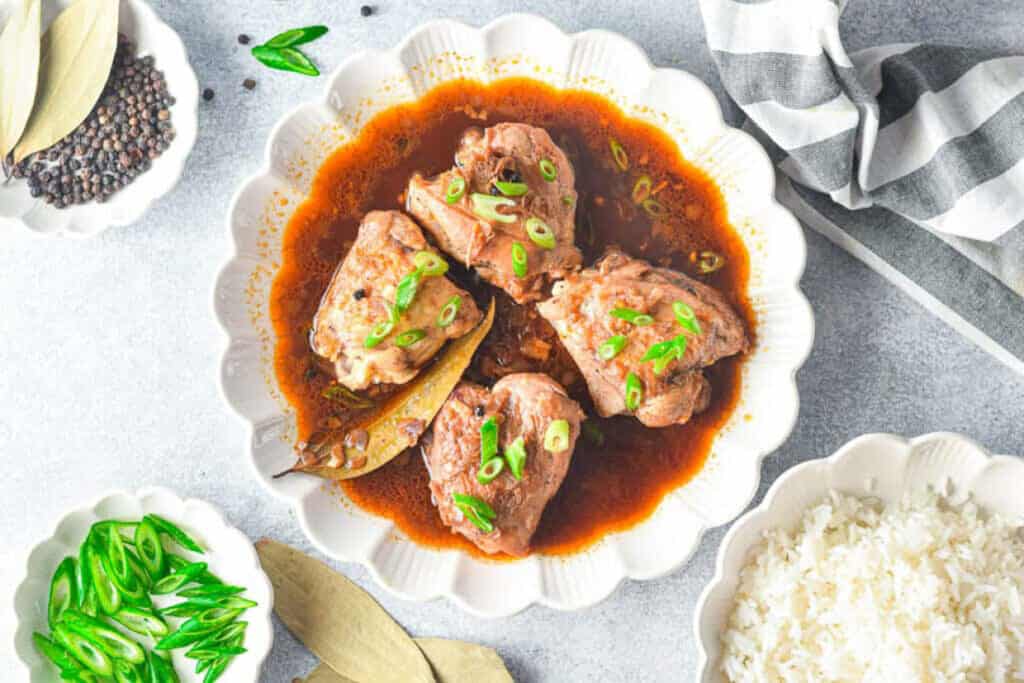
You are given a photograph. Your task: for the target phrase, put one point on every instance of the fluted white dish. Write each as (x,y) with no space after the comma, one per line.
(598,61)
(151,37)
(229,554)
(883,466)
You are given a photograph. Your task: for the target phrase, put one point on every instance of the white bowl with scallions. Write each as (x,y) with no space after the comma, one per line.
(159,568)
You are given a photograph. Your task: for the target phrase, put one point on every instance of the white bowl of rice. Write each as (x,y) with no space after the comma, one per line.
(892,560)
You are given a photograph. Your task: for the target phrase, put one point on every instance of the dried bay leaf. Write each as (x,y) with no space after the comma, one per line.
(338,621)
(77,53)
(325,674)
(455,661)
(19,71)
(417,401)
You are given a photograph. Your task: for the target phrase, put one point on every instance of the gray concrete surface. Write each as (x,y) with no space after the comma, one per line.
(109,351)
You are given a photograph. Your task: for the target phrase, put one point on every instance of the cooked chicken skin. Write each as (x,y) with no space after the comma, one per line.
(510,152)
(524,405)
(580,311)
(361,294)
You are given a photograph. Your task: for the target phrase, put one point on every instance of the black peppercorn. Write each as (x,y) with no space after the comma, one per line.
(243,39)
(359,294)
(208,94)
(366,10)
(479,412)
(249,84)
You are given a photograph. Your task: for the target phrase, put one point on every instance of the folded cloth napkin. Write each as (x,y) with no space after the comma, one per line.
(876,145)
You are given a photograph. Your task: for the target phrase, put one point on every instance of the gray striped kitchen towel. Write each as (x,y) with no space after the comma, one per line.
(910,156)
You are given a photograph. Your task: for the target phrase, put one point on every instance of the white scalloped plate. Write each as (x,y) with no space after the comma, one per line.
(599,61)
(230,555)
(883,466)
(152,37)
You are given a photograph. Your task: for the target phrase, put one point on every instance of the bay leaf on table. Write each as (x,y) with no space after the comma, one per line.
(19,71)
(455,661)
(76,55)
(339,621)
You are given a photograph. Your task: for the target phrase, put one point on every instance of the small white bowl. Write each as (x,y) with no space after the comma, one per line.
(883,466)
(151,37)
(229,553)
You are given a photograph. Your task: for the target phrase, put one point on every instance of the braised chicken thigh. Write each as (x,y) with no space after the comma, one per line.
(507,208)
(497,457)
(389,307)
(641,335)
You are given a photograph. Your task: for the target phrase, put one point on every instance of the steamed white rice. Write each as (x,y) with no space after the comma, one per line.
(919,591)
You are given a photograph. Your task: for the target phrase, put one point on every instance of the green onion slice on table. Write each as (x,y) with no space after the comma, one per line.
(456,190)
(515,454)
(296,36)
(686,316)
(556,438)
(488,440)
(285,59)
(430,262)
(477,511)
(410,337)
(540,233)
(632,316)
(612,347)
(634,391)
(486,206)
(449,311)
(489,471)
(548,171)
(520,263)
(510,189)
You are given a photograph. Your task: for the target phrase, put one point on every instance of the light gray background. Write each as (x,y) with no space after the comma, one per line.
(109,351)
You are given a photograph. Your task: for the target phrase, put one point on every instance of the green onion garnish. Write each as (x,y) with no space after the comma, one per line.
(449,311)
(631,315)
(490,470)
(515,454)
(634,391)
(511,189)
(520,265)
(665,352)
(430,263)
(540,233)
(409,337)
(641,189)
(619,154)
(406,291)
(488,440)
(611,347)
(477,511)
(653,207)
(659,350)
(556,438)
(709,262)
(456,189)
(548,171)
(568,200)
(686,317)
(486,206)
(378,334)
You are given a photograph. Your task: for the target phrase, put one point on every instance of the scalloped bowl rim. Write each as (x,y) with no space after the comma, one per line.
(798,258)
(263,611)
(848,451)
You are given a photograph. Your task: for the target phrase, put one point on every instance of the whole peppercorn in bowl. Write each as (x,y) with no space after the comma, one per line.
(129,150)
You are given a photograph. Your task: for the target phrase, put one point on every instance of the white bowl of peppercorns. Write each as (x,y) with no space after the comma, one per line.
(131,148)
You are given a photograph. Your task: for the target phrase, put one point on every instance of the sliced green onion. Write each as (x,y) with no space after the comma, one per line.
(409,337)
(515,454)
(612,347)
(520,264)
(173,582)
(127,673)
(488,440)
(211,591)
(56,654)
(568,200)
(634,391)
(593,433)
(540,233)
(631,315)
(62,590)
(477,511)
(486,206)
(556,438)
(431,263)
(709,262)
(406,291)
(378,334)
(511,189)
(619,154)
(176,534)
(641,189)
(107,595)
(659,350)
(110,640)
(653,208)
(86,652)
(548,170)
(490,470)
(116,555)
(456,190)
(151,552)
(686,317)
(141,621)
(196,628)
(450,310)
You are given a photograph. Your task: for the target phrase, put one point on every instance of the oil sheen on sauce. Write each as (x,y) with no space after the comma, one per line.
(611,486)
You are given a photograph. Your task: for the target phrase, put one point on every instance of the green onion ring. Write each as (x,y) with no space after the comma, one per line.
(654,208)
(634,391)
(540,233)
(556,438)
(631,315)
(405,293)
(490,470)
(456,190)
(659,350)
(515,454)
(409,337)
(486,206)
(709,262)
(449,311)
(641,189)
(431,263)
(686,316)
(488,440)
(510,189)
(548,170)
(378,334)
(520,264)
(619,154)
(612,347)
